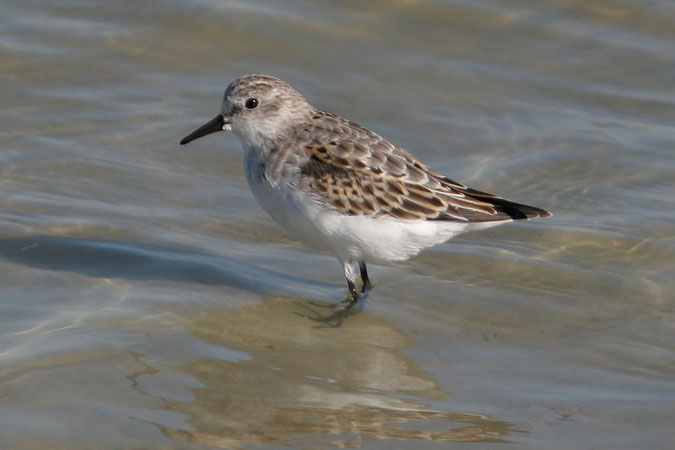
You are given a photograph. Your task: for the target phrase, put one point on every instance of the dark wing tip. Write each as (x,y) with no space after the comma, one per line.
(502,209)
(518,212)
(544,214)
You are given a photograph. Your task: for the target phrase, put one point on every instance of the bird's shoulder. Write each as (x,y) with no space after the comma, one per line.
(350,146)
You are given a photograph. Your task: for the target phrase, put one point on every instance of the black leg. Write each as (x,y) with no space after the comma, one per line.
(353,296)
(364,277)
(344,308)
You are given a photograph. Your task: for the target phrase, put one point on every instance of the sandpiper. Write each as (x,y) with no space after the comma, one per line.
(339,186)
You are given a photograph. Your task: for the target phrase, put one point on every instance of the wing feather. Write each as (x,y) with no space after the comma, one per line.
(360,173)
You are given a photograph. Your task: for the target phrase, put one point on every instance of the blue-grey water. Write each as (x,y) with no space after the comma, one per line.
(146,301)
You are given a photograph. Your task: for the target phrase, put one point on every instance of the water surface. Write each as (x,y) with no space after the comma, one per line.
(147,302)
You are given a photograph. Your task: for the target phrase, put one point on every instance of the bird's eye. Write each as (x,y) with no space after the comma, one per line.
(251,103)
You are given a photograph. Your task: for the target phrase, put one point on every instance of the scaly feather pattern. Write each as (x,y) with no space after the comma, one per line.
(359,172)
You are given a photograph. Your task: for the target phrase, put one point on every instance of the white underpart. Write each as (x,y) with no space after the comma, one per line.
(350,238)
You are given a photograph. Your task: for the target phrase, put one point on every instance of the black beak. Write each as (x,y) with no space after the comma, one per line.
(217,124)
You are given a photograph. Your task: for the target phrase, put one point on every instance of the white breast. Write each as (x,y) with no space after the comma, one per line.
(295,210)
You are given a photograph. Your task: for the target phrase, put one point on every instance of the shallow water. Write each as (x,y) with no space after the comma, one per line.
(147,302)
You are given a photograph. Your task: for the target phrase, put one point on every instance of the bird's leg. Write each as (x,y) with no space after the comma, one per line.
(353,296)
(342,309)
(367,285)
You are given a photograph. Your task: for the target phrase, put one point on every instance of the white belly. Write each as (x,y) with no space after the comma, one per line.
(348,237)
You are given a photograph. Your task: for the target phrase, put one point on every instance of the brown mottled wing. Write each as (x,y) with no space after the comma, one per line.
(360,173)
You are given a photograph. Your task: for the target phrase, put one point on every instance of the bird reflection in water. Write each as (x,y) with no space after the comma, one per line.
(310,387)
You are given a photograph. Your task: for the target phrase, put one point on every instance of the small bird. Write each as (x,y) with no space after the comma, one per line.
(339,186)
